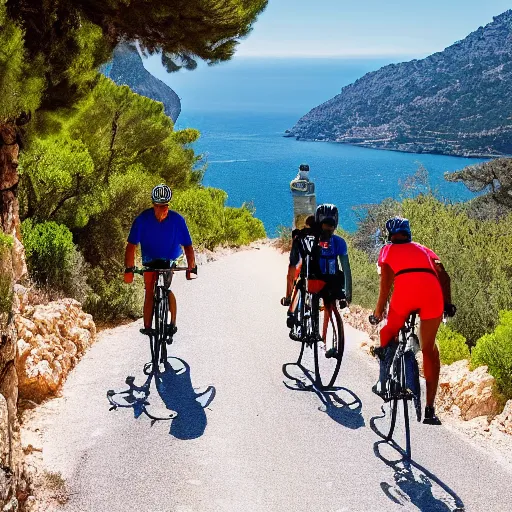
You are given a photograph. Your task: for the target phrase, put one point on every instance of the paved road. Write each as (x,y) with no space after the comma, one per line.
(258,446)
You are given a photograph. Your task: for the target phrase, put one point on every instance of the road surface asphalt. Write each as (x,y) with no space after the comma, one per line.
(259,445)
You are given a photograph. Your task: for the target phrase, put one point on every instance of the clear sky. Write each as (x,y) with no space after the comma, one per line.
(366,27)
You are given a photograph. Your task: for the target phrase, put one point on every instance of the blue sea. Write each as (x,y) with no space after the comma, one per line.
(242,109)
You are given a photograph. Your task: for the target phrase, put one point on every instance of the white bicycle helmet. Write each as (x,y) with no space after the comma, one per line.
(161,194)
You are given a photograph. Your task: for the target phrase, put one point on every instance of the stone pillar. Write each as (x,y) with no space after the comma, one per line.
(304,198)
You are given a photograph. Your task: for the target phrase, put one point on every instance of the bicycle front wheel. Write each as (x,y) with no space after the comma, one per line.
(161,313)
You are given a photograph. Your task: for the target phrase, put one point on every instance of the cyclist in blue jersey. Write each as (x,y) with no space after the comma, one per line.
(161,233)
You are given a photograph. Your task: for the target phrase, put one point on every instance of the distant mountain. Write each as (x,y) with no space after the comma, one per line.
(455,102)
(126,68)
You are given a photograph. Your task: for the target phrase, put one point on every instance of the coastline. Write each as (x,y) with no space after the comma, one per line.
(403,150)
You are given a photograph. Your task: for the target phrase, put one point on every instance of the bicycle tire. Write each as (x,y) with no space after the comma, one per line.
(163,334)
(328,371)
(413,381)
(397,390)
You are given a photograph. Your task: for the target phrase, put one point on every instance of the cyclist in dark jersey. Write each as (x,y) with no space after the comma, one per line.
(334,281)
(161,234)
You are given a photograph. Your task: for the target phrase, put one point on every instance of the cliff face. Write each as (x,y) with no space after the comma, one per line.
(126,68)
(457,101)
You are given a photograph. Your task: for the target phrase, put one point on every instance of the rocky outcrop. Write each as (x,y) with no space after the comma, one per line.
(51,340)
(503,421)
(12,267)
(465,393)
(126,68)
(453,102)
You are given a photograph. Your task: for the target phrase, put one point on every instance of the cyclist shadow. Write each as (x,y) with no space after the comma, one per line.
(339,403)
(412,483)
(174,385)
(343,406)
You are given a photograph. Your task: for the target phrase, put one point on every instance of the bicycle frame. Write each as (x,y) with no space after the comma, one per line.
(402,383)
(306,307)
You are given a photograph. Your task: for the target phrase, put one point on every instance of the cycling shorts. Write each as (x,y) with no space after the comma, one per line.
(333,288)
(418,291)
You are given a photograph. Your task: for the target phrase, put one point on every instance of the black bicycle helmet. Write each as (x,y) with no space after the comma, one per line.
(398,225)
(161,194)
(326,211)
(304,167)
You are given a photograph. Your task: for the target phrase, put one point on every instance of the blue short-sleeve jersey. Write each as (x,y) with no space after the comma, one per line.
(159,240)
(329,255)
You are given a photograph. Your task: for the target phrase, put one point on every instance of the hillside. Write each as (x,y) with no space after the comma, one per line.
(126,68)
(455,102)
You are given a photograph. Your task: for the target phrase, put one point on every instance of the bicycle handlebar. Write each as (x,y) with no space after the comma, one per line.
(141,271)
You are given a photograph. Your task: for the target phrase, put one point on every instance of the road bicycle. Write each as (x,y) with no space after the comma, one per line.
(307,317)
(160,335)
(402,384)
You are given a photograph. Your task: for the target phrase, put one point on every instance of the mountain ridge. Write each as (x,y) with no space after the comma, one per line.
(454,102)
(126,68)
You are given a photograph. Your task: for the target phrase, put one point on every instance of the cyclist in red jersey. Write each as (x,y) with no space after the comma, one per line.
(420,284)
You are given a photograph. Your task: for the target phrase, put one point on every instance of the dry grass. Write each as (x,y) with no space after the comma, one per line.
(56,485)
(284,240)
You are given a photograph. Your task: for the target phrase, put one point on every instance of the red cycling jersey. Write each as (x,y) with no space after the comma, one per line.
(414,291)
(409,255)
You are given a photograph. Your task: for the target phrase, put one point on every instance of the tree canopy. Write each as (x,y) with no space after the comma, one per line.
(493,177)
(66,40)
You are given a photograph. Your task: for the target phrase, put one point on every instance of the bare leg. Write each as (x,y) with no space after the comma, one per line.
(431,362)
(290,277)
(148,307)
(327,317)
(173,307)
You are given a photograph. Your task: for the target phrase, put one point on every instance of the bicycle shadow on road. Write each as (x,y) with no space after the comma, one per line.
(174,385)
(412,483)
(339,403)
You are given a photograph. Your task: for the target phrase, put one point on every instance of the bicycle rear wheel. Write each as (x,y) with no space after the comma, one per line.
(412,381)
(327,369)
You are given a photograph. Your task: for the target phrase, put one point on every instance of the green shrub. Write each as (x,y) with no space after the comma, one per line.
(365,279)
(112,299)
(211,223)
(452,345)
(53,260)
(203,209)
(6,241)
(495,351)
(241,227)
(475,253)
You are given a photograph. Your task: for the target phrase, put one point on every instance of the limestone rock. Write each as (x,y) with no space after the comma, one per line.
(503,421)
(51,339)
(469,393)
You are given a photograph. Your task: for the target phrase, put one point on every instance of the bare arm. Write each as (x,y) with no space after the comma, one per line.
(191,259)
(345,266)
(445,281)
(387,278)
(129,261)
